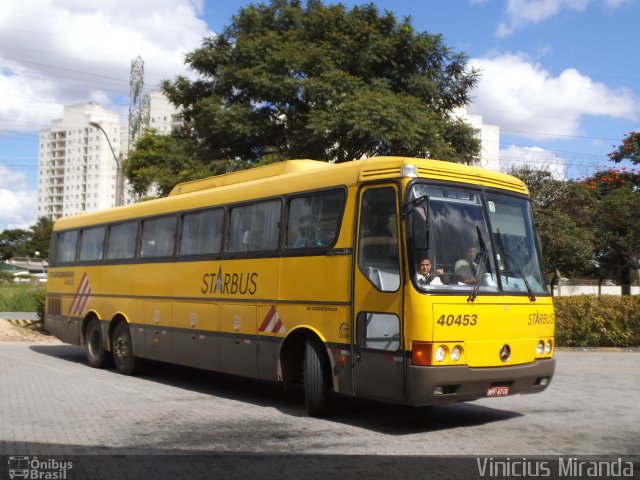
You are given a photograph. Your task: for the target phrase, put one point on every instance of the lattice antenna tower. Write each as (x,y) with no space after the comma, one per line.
(138,103)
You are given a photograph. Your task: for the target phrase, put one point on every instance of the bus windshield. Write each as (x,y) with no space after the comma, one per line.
(459,252)
(514,239)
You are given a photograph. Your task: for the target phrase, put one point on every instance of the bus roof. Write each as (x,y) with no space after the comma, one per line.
(304,175)
(242,176)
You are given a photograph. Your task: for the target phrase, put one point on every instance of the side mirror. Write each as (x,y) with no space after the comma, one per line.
(420,227)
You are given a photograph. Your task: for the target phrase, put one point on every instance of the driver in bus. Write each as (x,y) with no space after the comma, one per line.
(426,277)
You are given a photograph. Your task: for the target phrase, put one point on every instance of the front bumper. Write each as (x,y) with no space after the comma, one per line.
(462,383)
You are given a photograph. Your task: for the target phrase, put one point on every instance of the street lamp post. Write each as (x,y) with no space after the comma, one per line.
(119,176)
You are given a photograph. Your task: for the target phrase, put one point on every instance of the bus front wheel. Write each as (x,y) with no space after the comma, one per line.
(126,362)
(316,378)
(94,345)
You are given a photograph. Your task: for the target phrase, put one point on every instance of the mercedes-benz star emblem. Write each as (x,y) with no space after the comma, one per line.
(505,353)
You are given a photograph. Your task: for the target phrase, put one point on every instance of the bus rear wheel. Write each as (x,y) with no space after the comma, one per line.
(316,379)
(94,345)
(126,362)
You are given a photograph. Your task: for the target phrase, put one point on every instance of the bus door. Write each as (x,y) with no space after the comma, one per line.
(378,360)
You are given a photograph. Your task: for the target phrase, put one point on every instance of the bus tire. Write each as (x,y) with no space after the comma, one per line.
(126,362)
(94,345)
(316,379)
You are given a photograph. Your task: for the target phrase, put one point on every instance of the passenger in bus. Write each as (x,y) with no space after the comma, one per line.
(426,277)
(465,269)
(302,238)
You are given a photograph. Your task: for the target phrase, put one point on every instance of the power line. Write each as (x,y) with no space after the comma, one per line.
(549,134)
(119,80)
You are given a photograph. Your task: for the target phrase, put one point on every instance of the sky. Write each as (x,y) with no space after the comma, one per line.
(561,78)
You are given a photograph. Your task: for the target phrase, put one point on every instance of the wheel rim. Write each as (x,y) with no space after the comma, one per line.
(121,347)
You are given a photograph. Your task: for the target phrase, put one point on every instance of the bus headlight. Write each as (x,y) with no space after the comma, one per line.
(456,353)
(441,353)
(548,346)
(540,347)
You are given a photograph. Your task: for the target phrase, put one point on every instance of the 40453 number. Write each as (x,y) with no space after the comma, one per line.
(459,320)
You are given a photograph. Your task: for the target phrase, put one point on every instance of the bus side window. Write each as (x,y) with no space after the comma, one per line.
(379,331)
(158,237)
(91,244)
(254,228)
(122,240)
(202,232)
(314,220)
(66,248)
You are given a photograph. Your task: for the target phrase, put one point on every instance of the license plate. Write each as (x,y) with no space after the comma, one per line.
(498,391)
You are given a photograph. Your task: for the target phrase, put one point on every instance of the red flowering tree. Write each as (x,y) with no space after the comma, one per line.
(629,150)
(617,222)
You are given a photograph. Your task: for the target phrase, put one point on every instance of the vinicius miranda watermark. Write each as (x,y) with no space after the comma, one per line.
(569,467)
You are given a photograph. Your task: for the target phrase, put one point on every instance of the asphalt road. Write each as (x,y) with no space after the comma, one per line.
(53,404)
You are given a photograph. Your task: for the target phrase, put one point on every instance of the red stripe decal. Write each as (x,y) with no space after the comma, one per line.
(277,327)
(267,319)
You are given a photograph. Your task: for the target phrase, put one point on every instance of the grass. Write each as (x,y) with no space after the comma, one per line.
(20,298)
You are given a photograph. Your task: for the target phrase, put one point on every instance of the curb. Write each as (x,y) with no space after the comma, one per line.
(21,322)
(599,349)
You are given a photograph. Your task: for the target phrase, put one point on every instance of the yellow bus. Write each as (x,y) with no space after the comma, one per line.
(318,274)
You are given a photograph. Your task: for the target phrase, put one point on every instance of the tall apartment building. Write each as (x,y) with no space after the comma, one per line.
(77,169)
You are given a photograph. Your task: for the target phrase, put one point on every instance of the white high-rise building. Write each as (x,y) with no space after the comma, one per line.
(77,169)
(489,136)
(163,116)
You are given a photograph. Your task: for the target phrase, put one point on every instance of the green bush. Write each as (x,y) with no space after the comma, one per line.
(592,321)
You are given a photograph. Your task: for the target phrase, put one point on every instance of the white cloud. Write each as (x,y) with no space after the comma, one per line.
(521,96)
(535,158)
(57,52)
(521,13)
(17,200)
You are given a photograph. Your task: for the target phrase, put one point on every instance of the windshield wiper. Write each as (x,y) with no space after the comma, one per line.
(507,256)
(503,252)
(484,256)
(408,207)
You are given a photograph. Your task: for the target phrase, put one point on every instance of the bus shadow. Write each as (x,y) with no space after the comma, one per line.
(393,419)
(70,353)
(387,418)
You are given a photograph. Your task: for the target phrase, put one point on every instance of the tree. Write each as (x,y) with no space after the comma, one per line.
(159,162)
(565,231)
(629,150)
(40,234)
(13,243)
(290,81)
(617,223)
(23,243)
